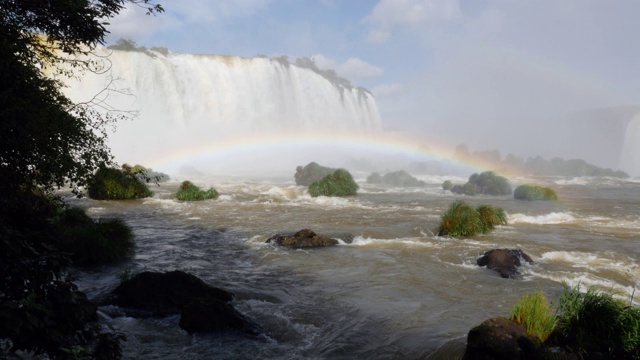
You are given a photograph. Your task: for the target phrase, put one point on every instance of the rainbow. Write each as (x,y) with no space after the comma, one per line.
(291,142)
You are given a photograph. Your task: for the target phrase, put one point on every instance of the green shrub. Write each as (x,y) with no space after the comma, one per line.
(93,242)
(401,178)
(532,192)
(596,322)
(463,220)
(534,313)
(340,183)
(190,192)
(114,184)
(447,185)
(489,183)
(311,173)
(144,174)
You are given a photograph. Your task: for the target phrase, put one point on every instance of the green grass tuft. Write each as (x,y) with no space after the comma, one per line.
(534,313)
(597,322)
(190,192)
(340,183)
(463,220)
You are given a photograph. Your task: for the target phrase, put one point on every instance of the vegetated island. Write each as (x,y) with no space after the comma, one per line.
(325,181)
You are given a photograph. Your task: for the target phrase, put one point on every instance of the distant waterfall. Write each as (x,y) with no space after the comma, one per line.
(630,156)
(188,101)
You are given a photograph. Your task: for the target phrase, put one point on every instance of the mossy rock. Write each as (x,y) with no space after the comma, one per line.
(533,192)
(304,238)
(190,192)
(397,178)
(113,184)
(447,185)
(340,183)
(311,173)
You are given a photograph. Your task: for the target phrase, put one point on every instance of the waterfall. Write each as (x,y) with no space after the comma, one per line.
(630,155)
(187,102)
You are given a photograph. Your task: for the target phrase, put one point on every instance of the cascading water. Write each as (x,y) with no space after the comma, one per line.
(189,103)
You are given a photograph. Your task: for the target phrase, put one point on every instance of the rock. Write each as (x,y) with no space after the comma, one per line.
(304,238)
(504,261)
(499,338)
(202,307)
(311,173)
(161,294)
(213,315)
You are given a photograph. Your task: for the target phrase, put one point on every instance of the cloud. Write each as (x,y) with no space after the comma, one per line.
(133,23)
(352,69)
(386,90)
(389,15)
(355,68)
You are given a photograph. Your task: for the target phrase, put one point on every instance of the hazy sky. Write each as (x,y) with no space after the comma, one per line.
(433,65)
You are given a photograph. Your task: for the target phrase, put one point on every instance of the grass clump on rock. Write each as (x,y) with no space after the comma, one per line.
(534,313)
(190,192)
(339,183)
(93,242)
(533,192)
(463,220)
(113,184)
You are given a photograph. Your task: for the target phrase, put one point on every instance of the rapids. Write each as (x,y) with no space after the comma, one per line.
(396,291)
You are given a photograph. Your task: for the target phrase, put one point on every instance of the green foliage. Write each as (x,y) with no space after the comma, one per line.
(463,220)
(534,313)
(190,192)
(486,183)
(93,242)
(144,174)
(532,192)
(340,183)
(398,178)
(447,185)
(114,184)
(596,322)
(311,173)
(47,142)
(491,217)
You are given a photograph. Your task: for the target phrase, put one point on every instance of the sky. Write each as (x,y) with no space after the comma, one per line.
(464,70)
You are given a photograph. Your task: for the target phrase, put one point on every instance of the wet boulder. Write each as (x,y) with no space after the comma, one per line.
(304,238)
(499,338)
(203,308)
(504,261)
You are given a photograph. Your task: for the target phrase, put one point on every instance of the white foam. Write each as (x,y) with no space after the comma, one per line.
(545,219)
(372,242)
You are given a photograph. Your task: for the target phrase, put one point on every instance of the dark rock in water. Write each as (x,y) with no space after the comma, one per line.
(166,293)
(203,308)
(504,261)
(212,315)
(499,338)
(304,238)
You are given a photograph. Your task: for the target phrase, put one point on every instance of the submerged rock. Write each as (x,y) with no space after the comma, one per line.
(304,238)
(203,308)
(504,261)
